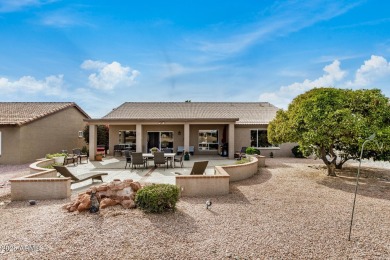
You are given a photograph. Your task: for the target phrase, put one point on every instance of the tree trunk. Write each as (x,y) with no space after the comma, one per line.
(331,169)
(331,165)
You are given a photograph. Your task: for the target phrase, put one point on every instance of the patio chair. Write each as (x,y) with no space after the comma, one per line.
(137,159)
(179,160)
(180,150)
(159,159)
(70,158)
(167,150)
(241,154)
(128,158)
(79,178)
(80,155)
(198,168)
(117,149)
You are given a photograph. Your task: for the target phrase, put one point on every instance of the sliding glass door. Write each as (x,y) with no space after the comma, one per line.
(160,140)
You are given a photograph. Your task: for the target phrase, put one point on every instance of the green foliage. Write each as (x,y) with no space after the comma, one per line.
(157,198)
(252,150)
(50,166)
(332,123)
(84,150)
(297,152)
(102,135)
(243,160)
(52,155)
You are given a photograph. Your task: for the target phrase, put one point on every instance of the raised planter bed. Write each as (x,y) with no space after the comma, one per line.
(41,184)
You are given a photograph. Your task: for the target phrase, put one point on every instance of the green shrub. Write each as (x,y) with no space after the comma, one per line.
(157,198)
(243,160)
(252,150)
(52,155)
(50,166)
(297,152)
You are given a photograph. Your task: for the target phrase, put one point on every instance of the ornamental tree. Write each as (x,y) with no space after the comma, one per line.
(333,124)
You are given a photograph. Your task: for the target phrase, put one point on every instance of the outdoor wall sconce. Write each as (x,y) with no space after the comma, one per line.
(179,133)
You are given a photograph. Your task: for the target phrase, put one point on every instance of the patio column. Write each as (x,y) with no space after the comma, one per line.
(92,141)
(138,138)
(186,136)
(231,141)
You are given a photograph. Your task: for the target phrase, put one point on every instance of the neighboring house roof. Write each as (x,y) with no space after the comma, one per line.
(19,113)
(241,112)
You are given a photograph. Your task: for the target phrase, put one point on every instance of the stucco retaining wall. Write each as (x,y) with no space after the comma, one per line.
(218,184)
(41,184)
(243,171)
(204,185)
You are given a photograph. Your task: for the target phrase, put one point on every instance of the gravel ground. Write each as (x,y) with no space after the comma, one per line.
(290,210)
(8,172)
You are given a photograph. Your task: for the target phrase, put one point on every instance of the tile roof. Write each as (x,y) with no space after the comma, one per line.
(246,112)
(19,113)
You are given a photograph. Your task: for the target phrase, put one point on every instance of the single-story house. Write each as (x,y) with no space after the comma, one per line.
(207,128)
(30,130)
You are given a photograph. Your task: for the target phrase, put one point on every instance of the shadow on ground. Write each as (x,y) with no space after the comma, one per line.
(373,182)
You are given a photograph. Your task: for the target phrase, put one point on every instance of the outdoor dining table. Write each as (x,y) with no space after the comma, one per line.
(170,156)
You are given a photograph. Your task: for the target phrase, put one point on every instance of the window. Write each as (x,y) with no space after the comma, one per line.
(161,140)
(81,134)
(166,140)
(128,137)
(259,139)
(208,140)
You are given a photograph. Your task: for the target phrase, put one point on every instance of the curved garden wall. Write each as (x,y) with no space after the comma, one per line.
(41,184)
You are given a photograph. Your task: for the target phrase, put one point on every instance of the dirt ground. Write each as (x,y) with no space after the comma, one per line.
(291,209)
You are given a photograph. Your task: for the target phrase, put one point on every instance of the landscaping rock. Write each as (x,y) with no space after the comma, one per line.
(111,194)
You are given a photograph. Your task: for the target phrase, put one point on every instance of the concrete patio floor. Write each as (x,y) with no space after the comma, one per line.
(115,167)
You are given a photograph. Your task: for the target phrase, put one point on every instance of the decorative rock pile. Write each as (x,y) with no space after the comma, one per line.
(110,194)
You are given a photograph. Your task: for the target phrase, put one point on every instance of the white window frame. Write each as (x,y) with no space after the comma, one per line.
(205,145)
(81,134)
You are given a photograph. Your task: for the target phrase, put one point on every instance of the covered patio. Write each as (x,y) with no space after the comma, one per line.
(115,167)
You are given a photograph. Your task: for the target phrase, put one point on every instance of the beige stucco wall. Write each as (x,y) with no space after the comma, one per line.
(10,142)
(113,136)
(51,134)
(194,135)
(243,139)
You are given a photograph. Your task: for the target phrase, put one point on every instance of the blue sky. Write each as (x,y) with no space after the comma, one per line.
(100,54)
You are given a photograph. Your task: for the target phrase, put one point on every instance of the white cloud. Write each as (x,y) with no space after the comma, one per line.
(109,76)
(51,85)
(333,74)
(373,69)
(15,5)
(284,18)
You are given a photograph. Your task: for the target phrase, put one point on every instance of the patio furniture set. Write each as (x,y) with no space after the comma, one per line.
(75,157)
(159,158)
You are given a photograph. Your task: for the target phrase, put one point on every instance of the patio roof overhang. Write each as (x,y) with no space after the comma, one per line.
(126,121)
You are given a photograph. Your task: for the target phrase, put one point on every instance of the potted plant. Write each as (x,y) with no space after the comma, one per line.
(153,150)
(186,156)
(98,157)
(58,157)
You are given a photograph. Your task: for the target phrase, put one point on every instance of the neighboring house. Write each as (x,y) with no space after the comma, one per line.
(208,127)
(30,130)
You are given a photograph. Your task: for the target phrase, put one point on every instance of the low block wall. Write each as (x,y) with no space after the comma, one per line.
(42,184)
(243,171)
(205,185)
(218,184)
